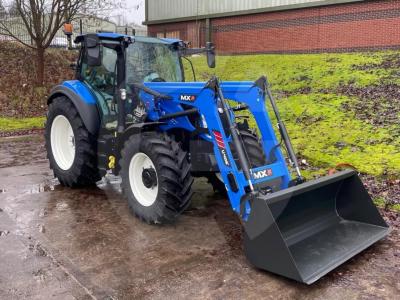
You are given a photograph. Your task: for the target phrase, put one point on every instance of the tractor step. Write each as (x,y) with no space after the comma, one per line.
(104,151)
(305,231)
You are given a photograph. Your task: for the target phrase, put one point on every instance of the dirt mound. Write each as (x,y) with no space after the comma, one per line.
(18,95)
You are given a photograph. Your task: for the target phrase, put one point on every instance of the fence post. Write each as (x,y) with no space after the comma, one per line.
(80,25)
(30,26)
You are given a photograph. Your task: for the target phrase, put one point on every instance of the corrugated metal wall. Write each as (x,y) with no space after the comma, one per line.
(158,10)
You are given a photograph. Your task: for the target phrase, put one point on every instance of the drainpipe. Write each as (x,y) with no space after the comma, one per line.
(208,30)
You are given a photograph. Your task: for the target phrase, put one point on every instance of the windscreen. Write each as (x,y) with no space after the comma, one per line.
(152,62)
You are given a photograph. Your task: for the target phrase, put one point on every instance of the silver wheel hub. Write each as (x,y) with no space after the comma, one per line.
(143,179)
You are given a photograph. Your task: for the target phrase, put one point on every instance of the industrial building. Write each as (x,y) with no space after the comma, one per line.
(278,26)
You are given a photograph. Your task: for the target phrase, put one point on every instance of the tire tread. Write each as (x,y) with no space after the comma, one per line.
(174,177)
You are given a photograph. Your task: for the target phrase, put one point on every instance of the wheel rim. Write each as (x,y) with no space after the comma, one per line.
(62,142)
(144,193)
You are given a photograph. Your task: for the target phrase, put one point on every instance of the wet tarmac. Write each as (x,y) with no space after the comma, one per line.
(61,243)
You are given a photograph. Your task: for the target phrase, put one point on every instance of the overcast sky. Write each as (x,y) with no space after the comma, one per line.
(131,11)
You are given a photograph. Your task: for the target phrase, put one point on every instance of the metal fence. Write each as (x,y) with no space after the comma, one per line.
(82,24)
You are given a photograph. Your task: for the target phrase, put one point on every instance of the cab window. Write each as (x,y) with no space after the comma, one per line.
(102,79)
(152,62)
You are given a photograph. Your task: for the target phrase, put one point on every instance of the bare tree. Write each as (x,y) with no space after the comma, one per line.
(41,19)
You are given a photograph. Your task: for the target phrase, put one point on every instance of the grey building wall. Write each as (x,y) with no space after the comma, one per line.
(159,11)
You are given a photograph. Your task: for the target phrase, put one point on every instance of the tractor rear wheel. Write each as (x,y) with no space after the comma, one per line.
(156,177)
(71,149)
(254,150)
(252,145)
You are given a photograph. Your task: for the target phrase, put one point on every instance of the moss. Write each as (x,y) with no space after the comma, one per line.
(12,124)
(380,202)
(395,207)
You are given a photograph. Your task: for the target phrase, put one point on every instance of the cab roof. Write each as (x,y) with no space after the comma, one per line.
(119,36)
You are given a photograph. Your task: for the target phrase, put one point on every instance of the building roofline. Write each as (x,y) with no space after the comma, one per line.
(244,12)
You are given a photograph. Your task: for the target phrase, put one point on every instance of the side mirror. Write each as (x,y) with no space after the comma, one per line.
(92,46)
(210,54)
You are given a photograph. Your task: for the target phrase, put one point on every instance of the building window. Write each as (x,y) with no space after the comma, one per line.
(168,34)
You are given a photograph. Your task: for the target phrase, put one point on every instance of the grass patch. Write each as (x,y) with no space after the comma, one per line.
(13,124)
(381,202)
(395,207)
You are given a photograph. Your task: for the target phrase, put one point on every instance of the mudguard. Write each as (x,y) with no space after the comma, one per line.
(140,127)
(84,101)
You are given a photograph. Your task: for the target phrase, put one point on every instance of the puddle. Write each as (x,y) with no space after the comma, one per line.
(108,183)
(33,188)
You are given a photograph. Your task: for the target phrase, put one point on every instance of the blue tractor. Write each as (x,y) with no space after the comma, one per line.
(130,112)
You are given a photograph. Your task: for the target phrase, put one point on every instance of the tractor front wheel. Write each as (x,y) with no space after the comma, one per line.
(156,177)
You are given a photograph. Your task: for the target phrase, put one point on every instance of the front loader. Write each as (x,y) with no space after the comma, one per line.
(130,112)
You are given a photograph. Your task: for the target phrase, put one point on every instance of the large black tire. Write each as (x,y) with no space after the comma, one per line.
(84,170)
(255,152)
(172,173)
(252,145)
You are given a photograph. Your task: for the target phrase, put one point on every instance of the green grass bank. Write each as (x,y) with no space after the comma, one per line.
(338,108)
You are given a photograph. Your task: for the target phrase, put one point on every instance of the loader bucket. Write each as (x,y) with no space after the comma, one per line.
(305,231)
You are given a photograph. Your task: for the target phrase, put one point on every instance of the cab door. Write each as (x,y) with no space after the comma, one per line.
(102,81)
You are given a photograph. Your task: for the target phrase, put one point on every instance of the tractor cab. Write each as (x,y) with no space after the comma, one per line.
(140,59)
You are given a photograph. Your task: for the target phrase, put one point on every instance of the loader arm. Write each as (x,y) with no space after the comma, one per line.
(201,96)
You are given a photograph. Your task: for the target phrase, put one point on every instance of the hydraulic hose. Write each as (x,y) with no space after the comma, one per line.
(242,157)
(283,132)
